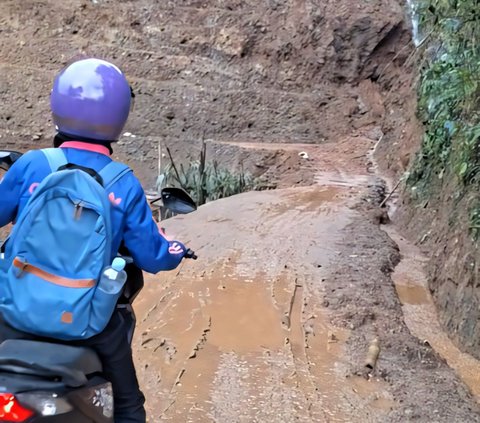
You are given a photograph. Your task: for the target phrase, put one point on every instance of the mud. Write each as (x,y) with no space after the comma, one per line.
(257,318)
(281,71)
(418,308)
(274,321)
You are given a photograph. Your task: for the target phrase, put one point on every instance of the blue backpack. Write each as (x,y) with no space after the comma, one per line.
(57,251)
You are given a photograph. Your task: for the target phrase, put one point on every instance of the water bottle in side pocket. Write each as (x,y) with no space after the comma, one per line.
(113,277)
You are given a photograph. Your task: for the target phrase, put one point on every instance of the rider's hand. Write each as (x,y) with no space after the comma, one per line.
(176,248)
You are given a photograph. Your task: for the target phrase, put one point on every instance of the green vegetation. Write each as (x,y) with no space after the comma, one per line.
(449,97)
(206,181)
(209,183)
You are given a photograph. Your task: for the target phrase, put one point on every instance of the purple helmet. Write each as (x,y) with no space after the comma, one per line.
(91,99)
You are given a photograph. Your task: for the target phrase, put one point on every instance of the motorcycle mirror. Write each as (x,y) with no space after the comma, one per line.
(176,200)
(8,158)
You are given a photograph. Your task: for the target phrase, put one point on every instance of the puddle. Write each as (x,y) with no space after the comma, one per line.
(244,336)
(310,199)
(412,294)
(375,392)
(421,316)
(243,317)
(340,179)
(313,197)
(237,349)
(338,393)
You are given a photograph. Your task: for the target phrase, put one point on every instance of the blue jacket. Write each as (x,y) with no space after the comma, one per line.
(132,222)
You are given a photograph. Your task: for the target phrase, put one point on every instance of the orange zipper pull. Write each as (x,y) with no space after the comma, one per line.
(78,211)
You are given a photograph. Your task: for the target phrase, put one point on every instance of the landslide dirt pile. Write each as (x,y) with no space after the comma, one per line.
(239,70)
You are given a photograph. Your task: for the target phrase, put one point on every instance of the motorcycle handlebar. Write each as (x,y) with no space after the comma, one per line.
(190,254)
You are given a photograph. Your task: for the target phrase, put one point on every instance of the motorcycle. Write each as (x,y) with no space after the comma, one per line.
(55,383)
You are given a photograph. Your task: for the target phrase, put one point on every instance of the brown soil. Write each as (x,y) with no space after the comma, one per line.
(274,321)
(247,70)
(439,223)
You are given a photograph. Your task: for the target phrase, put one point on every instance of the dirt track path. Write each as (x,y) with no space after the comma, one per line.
(244,334)
(250,311)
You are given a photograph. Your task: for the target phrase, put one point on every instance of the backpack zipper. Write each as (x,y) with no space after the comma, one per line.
(78,210)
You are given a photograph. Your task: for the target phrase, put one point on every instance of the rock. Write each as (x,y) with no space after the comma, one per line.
(170,115)
(331,337)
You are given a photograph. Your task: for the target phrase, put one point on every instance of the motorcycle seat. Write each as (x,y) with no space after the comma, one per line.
(67,363)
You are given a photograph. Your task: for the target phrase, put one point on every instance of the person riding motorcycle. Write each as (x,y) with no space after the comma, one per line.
(90,103)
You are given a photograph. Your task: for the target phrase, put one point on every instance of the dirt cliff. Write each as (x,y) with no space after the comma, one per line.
(275,71)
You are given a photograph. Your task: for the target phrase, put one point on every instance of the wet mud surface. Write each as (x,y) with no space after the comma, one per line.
(421,316)
(274,321)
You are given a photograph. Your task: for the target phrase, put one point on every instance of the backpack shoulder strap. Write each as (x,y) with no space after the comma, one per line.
(56,158)
(112,172)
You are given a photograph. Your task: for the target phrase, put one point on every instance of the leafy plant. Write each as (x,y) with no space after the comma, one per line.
(475,222)
(449,90)
(449,98)
(206,181)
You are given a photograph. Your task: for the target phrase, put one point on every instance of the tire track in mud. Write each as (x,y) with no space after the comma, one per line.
(213,341)
(270,353)
(250,322)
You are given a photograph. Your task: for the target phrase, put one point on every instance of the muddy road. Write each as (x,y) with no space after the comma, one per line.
(273,322)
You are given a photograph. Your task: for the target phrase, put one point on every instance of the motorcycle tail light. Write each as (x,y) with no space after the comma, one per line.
(11,410)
